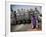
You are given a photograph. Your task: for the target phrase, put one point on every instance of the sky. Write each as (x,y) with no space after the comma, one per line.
(15,7)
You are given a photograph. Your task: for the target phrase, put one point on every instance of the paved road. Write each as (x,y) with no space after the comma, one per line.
(22,27)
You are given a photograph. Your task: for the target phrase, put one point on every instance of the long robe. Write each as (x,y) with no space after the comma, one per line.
(34,20)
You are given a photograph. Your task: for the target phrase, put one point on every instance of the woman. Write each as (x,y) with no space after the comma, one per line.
(34,21)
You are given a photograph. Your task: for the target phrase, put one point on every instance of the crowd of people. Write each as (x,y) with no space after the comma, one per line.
(26,17)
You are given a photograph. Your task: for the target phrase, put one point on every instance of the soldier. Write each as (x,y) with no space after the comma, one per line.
(37,13)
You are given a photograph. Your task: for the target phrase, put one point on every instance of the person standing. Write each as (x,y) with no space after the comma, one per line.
(34,21)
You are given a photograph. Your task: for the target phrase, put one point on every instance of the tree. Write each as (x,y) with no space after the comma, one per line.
(11,8)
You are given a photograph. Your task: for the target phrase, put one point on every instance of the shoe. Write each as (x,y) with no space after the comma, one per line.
(34,27)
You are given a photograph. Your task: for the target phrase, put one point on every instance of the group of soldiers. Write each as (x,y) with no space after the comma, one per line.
(23,17)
